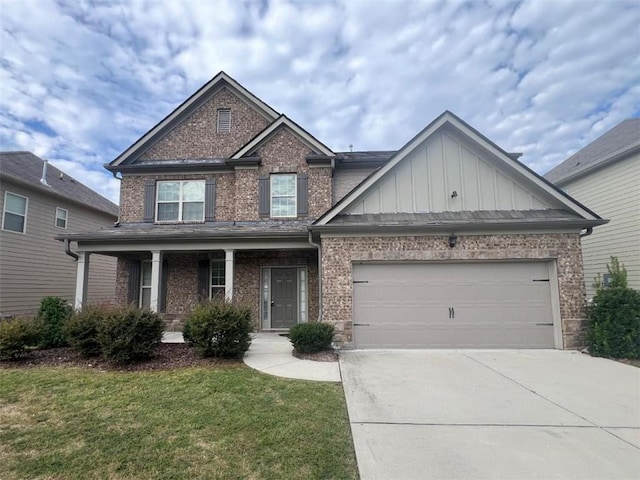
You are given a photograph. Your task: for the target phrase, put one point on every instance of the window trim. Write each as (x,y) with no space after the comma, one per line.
(180,201)
(295,194)
(224,276)
(143,263)
(66,217)
(227,128)
(4,211)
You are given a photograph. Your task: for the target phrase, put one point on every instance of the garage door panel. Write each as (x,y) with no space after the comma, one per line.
(464,305)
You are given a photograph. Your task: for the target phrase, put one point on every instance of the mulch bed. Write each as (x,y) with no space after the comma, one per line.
(168,356)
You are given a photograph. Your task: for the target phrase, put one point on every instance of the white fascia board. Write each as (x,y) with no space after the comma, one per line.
(267,132)
(207,89)
(113,248)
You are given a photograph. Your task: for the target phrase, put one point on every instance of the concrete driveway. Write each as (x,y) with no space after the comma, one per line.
(478,414)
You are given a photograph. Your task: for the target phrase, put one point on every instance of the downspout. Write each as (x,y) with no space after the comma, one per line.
(67,250)
(319,247)
(588,231)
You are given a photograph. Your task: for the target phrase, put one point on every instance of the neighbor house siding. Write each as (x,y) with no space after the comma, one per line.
(339,253)
(612,192)
(34,265)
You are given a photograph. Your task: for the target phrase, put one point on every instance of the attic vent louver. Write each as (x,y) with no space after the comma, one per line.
(224,120)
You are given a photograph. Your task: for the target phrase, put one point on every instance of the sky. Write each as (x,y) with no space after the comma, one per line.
(82,80)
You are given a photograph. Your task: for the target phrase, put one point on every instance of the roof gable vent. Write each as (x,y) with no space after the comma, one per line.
(224,120)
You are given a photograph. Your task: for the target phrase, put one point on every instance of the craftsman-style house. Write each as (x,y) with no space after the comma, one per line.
(449,241)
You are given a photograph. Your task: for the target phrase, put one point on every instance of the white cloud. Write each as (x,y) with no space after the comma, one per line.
(81,81)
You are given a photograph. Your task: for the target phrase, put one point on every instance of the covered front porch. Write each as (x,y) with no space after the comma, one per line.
(276,276)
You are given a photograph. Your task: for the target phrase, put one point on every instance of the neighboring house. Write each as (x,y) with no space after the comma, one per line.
(448,242)
(605,176)
(38,202)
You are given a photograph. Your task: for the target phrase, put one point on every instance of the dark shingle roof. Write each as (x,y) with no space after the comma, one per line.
(620,140)
(196,231)
(26,168)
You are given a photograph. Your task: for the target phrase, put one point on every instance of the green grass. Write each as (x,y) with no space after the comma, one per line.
(191,423)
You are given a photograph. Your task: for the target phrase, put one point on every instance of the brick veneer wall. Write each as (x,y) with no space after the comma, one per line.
(132,194)
(197,136)
(339,253)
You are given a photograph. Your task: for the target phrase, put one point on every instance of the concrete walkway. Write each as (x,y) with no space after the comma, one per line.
(271,353)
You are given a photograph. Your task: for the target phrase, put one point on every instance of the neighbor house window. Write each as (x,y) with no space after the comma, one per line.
(61,217)
(224,120)
(14,217)
(145,285)
(217,278)
(283,195)
(180,201)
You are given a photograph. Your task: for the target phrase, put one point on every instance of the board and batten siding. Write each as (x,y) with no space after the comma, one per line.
(34,265)
(425,180)
(613,192)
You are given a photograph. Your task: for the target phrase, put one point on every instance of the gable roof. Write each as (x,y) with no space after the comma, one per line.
(448,118)
(617,143)
(26,168)
(271,129)
(186,108)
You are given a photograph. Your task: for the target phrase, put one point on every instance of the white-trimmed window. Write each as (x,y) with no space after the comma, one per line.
(283,195)
(224,120)
(217,278)
(14,216)
(145,285)
(180,201)
(61,217)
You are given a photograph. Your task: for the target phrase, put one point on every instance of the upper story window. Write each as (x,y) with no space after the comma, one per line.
(283,195)
(61,217)
(180,201)
(224,120)
(14,218)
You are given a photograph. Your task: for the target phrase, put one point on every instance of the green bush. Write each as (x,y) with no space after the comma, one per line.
(614,317)
(311,337)
(18,337)
(81,329)
(52,315)
(128,334)
(218,329)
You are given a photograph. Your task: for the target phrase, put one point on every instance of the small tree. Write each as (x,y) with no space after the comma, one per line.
(614,317)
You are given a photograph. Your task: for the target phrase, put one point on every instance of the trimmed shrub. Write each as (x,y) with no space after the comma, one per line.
(81,329)
(52,315)
(18,336)
(128,334)
(614,317)
(218,329)
(311,337)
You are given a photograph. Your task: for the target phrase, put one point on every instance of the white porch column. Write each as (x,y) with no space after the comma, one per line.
(82,279)
(156,262)
(228,274)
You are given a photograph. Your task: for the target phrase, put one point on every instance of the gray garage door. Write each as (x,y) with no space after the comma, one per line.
(452,305)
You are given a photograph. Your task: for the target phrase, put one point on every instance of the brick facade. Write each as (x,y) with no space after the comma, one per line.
(197,136)
(339,253)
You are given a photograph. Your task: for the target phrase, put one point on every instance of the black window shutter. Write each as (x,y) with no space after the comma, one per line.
(210,200)
(264,200)
(133,291)
(203,280)
(149,200)
(303,194)
(163,287)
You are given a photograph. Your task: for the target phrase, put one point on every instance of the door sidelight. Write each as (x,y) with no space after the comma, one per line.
(452,312)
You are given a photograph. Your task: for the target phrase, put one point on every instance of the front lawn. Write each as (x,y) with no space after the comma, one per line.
(228,422)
